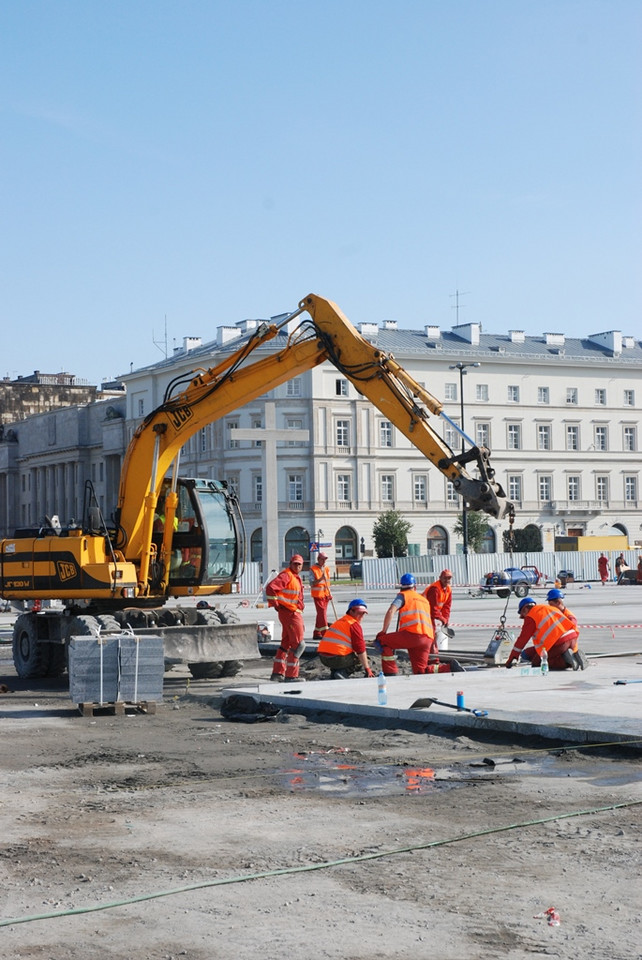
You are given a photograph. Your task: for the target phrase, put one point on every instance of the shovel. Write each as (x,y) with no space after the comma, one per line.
(621,683)
(428,702)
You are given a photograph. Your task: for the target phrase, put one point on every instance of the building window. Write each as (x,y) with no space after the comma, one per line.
(341,388)
(385,433)
(515,488)
(203,439)
(294,425)
(543,395)
(482,434)
(343,433)
(572,437)
(481,392)
(514,436)
(258,488)
(600,397)
(256,425)
(141,408)
(451,493)
(630,439)
(295,488)
(231,425)
(437,541)
(571,395)
(601,438)
(602,489)
(629,398)
(387,487)
(343,487)
(450,434)
(573,487)
(631,489)
(293,387)
(233,483)
(420,493)
(545,489)
(450,391)
(543,436)
(513,394)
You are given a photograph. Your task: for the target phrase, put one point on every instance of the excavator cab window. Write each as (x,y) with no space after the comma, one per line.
(207,539)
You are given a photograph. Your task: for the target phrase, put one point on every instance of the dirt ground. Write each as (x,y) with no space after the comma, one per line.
(183,835)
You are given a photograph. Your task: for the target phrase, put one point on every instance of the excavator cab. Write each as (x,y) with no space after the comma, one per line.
(208,543)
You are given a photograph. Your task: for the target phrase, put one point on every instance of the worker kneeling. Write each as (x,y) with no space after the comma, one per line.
(549,629)
(343,648)
(415,633)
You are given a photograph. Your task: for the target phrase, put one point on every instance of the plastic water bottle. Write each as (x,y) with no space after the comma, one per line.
(382,690)
(544,662)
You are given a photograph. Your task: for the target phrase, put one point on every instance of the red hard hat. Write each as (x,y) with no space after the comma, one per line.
(446,573)
(297,558)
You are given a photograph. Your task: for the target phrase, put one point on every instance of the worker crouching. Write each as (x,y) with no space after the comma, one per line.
(414,634)
(343,647)
(549,629)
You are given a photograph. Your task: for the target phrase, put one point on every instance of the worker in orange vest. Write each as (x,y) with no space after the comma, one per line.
(440,597)
(415,633)
(285,594)
(321,595)
(550,630)
(343,646)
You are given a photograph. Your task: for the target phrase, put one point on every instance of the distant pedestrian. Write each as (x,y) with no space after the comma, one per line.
(603,568)
(620,566)
(639,574)
(343,647)
(285,594)
(321,595)
(415,633)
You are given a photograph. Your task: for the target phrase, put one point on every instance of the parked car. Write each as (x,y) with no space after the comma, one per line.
(629,578)
(517,580)
(356,570)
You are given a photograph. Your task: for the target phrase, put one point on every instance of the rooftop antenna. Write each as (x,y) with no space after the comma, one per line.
(161,344)
(456,295)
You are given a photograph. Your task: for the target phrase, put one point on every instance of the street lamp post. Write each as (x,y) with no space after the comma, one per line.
(462,367)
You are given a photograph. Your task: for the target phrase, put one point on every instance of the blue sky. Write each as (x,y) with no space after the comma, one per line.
(183,165)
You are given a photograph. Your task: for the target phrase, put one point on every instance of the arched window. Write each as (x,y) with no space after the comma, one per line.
(346,544)
(297,540)
(489,543)
(256,545)
(437,541)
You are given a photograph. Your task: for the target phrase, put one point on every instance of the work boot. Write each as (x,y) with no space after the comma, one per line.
(277,678)
(581,659)
(456,667)
(569,659)
(337,675)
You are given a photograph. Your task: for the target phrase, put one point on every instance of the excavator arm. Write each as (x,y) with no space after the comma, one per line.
(212,394)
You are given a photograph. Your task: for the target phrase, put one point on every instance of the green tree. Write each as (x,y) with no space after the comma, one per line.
(390,534)
(525,540)
(477,525)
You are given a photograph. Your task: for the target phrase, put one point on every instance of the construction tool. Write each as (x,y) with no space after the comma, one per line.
(621,683)
(428,702)
(327,583)
(256,603)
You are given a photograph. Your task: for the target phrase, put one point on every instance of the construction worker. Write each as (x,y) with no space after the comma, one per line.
(556,599)
(440,597)
(321,595)
(343,646)
(285,594)
(415,633)
(550,630)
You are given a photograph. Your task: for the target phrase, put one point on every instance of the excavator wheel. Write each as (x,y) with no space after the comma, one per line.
(108,623)
(208,670)
(30,658)
(230,667)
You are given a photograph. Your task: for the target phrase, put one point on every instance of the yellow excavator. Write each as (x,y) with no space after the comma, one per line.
(173,537)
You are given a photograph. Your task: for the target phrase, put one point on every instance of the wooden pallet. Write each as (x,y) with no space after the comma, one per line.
(119,708)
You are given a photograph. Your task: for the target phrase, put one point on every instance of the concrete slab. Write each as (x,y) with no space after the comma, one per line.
(580,707)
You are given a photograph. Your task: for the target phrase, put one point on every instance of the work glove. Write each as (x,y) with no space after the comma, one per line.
(369,673)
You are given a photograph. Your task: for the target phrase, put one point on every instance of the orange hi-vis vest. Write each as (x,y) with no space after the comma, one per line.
(320,590)
(288,596)
(551,627)
(415,616)
(336,640)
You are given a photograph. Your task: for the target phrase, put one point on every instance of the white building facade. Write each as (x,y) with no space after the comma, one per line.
(561,416)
